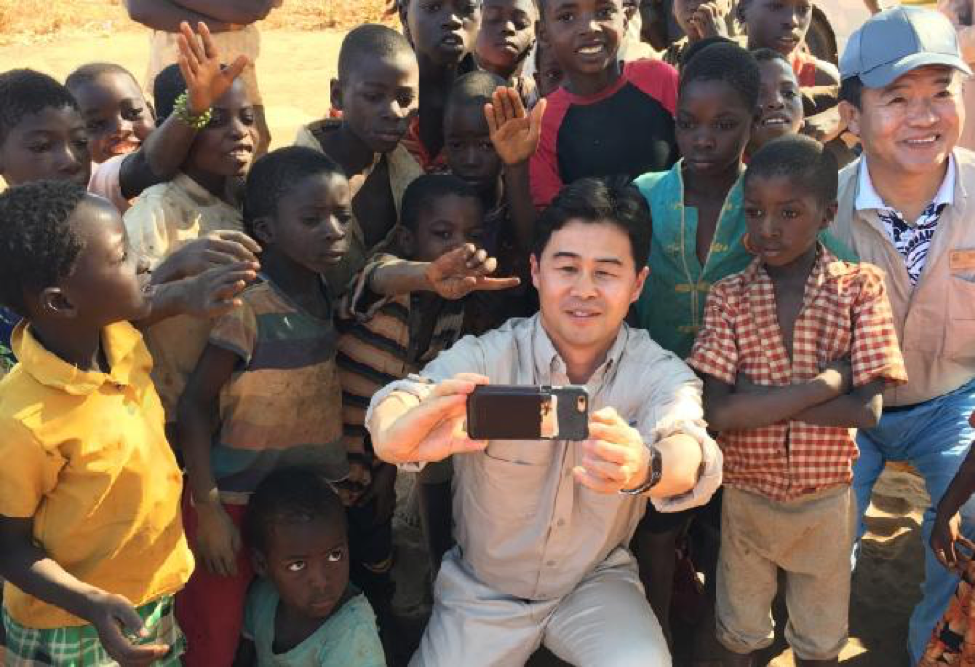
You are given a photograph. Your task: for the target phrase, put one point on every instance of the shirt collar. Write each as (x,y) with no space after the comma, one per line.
(197,193)
(869,199)
(120,340)
(826,264)
(548,361)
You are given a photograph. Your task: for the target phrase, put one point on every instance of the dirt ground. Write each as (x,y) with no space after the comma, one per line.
(294,70)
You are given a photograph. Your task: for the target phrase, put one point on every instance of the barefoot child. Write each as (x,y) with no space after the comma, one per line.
(265,392)
(415,307)
(91,541)
(303,610)
(795,352)
(376,93)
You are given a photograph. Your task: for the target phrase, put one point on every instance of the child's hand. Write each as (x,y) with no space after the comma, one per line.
(709,21)
(217,540)
(463,270)
(214,292)
(218,248)
(116,620)
(199,63)
(838,376)
(382,489)
(945,538)
(513,132)
(824,126)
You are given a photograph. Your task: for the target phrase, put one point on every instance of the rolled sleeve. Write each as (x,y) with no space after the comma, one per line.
(676,408)
(466,356)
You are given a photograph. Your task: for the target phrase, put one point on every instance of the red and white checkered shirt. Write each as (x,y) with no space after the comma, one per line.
(845,313)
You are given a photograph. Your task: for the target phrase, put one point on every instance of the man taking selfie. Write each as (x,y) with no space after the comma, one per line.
(542,526)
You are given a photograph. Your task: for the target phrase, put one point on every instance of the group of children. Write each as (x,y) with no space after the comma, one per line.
(254,302)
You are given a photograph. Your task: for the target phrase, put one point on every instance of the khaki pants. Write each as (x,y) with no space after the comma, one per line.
(810,539)
(604,622)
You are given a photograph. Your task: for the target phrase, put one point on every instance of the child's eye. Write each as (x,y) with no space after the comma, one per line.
(94,125)
(486,146)
(335,556)
(789,94)
(132,114)
(789,214)
(247,118)
(405,101)
(684,124)
(605,12)
(39,147)
(726,125)
(296,566)
(753,212)
(373,97)
(443,236)
(522,24)
(565,17)
(468,8)
(432,7)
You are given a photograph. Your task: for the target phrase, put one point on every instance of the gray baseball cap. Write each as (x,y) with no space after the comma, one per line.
(898,40)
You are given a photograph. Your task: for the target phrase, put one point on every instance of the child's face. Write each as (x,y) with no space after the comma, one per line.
(468,148)
(506,35)
(783,218)
(911,126)
(226,146)
(777,24)
(312,221)
(713,126)
(116,115)
(378,99)
(447,223)
(583,35)
(779,103)
(549,73)
(107,283)
(48,145)
(308,563)
(443,31)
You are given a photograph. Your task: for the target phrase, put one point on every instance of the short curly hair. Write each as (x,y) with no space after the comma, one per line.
(728,62)
(428,188)
(24,92)
(810,166)
(289,495)
(38,246)
(273,176)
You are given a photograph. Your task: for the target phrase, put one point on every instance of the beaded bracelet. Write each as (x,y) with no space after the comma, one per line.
(182,111)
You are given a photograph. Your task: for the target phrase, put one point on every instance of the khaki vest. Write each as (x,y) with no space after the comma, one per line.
(935,320)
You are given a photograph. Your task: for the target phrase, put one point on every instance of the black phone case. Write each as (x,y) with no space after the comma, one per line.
(513,412)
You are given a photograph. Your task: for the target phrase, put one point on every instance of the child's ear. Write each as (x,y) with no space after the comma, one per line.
(406,240)
(259,562)
(55,303)
(848,112)
(335,93)
(263,230)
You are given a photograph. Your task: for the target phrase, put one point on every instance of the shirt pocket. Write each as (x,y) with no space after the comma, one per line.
(514,476)
(960,321)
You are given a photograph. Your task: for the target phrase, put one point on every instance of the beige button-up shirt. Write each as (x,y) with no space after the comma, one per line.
(523,524)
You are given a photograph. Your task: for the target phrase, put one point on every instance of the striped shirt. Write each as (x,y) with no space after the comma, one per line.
(382,343)
(282,405)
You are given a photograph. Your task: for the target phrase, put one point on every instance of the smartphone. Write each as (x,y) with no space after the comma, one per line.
(525,412)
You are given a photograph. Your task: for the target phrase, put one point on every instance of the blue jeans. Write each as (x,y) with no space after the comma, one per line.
(934,437)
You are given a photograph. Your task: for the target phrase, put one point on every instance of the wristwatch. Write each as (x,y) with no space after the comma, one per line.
(653,475)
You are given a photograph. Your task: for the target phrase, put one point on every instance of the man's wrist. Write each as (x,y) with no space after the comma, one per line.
(652,473)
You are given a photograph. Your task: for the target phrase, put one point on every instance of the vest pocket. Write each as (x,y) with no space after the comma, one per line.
(959,326)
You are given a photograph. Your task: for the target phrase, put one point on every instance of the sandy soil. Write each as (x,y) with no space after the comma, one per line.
(294,71)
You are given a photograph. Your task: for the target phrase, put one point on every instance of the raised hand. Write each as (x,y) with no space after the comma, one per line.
(199,62)
(513,132)
(215,291)
(463,270)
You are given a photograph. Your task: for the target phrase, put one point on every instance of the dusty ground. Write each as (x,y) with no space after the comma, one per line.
(294,70)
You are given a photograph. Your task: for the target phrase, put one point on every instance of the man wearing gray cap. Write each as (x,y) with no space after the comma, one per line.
(905,207)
